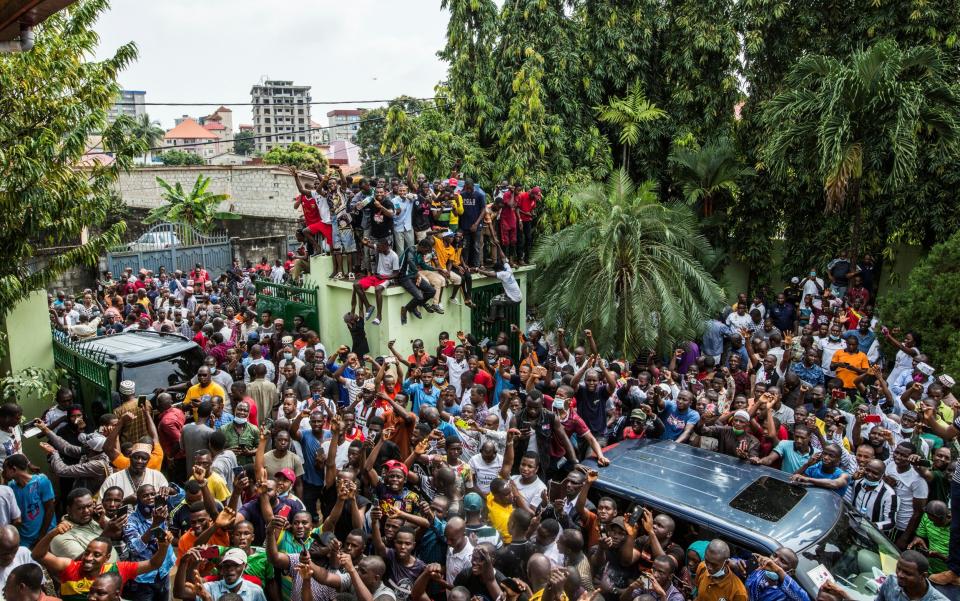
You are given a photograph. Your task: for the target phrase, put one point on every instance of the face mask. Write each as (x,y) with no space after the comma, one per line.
(288,356)
(438,381)
(834,338)
(558,405)
(906,431)
(771,575)
(144,509)
(738,432)
(719,573)
(240,420)
(870,483)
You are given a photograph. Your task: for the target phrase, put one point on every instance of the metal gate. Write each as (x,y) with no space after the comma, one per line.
(88,372)
(481,329)
(289,301)
(174,246)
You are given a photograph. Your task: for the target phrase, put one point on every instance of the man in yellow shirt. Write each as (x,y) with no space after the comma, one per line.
(499,508)
(202,461)
(205,387)
(849,363)
(448,249)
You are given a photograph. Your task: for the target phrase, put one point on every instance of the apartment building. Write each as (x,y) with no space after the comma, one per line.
(281,114)
(129,103)
(344,124)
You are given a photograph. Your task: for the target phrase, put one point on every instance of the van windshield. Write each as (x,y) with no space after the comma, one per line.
(165,372)
(854,555)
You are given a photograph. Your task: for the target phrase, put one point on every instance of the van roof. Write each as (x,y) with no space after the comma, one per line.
(697,484)
(138,346)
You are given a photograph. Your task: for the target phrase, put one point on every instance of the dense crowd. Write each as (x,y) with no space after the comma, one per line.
(291,468)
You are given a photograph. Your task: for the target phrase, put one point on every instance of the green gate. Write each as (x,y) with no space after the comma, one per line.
(288,301)
(480,328)
(88,372)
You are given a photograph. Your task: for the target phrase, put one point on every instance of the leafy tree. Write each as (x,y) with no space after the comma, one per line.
(51,99)
(198,208)
(708,174)
(149,132)
(858,124)
(631,269)
(629,114)
(299,155)
(180,158)
(243,143)
(920,304)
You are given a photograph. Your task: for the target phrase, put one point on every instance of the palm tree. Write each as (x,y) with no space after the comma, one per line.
(707,174)
(629,114)
(197,209)
(631,269)
(148,131)
(862,120)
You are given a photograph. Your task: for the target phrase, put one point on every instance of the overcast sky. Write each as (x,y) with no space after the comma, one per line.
(215,50)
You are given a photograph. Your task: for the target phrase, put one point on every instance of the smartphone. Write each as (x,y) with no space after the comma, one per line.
(159,533)
(838,394)
(635,515)
(237,471)
(556,490)
(284,511)
(873,419)
(211,552)
(141,400)
(31,432)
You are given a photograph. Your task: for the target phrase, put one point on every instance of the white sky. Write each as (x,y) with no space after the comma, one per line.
(215,50)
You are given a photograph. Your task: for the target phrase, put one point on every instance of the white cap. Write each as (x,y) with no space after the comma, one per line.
(741,414)
(128,387)
(234,555)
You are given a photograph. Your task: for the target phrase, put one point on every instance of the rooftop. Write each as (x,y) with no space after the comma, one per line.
(189,130)
(345,112)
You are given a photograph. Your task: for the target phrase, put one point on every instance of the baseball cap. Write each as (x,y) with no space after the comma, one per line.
(794,280)
(452,181)
(236,556)
(287,473)
(472,502)
(638,414)
(618,521)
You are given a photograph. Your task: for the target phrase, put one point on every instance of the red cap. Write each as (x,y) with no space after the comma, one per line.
(393,464)
(452,181)
(287,473)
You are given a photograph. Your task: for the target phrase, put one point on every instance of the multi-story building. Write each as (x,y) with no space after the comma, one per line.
(344,124)
(190,136)
(281,114)
(129,103)
(220,122)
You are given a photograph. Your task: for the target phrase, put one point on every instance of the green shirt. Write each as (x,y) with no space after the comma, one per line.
(249,437)
(938,539)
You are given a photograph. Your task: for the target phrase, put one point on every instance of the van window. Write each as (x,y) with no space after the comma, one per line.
(164,372)
(768,498)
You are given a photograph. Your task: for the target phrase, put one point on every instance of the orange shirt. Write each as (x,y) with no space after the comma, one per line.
(188,538)
(122,462)
(729,587)
(857,359)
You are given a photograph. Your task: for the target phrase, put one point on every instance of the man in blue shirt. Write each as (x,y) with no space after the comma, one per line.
(471,222)
(422,392)
(677,416)
(910,580)
(142,544)
(772,580)
(403,205)
(808,370)
(313,475)
(826,473)
(713,338)
(863,333)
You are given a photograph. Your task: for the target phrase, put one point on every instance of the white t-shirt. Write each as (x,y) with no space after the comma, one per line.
(531,492)
(342,452)
(809,287)
(510,285)
(485,473)
(276,274)
(9,510)
(910,486)
(829,349)
(456,371)
(387,264)
(738,322)
(458,561)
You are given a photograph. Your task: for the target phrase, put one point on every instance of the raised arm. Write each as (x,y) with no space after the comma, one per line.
(296,179)
(156,561)
(391,345)
(508,455)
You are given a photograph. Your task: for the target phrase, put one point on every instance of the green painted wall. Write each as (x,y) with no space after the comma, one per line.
(333,300)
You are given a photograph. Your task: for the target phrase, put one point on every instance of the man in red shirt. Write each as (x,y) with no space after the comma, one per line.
(312,214)
(508,222)
(199,275)
(526,204)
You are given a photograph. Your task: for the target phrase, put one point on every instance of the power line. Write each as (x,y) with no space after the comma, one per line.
(314,102)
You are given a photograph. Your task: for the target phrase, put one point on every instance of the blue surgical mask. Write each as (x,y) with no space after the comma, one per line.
(870,483)
(719,573)
(771,575)
(240,420)
(906,431)
(288,356)
(438,381)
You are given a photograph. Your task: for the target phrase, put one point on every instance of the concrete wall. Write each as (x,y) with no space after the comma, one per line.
(255,190)
(333,301)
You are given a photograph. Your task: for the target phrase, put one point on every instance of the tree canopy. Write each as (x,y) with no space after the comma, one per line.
(299,155)
(51,99)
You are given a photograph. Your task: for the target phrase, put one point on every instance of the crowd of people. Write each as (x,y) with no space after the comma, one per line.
(291,468)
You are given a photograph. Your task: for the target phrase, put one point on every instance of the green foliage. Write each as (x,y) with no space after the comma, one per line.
(856,126)
(633,270)
(51,99)
(299,155)
(180,158)
(243,143)
(923,305)
(197,208)
(629,114)
(149,132)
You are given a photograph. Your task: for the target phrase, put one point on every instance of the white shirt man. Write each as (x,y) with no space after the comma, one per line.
(510,285)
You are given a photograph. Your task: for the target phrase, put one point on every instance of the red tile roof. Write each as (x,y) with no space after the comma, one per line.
(214,125)
(189,130)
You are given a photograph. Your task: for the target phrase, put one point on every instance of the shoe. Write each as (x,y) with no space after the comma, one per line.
(945,579)
(429,309)
(438,309)
(351,276)
(369,313)
(416,313)
(455,301)
(403,316)
(376,321)
(469,303)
